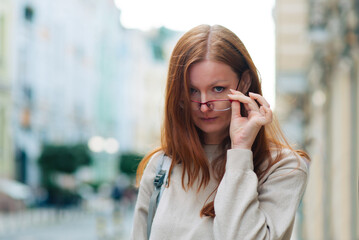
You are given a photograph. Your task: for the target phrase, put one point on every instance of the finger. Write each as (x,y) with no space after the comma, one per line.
(236,109)
(262,111)
(252,105)
(262,101)
(233,91)
(267,114)
(246,107)
(262,120)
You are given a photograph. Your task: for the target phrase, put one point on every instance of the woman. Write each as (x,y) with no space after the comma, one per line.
(233,174)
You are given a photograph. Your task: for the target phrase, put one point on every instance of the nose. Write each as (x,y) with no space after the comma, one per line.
(204,108)
(204,98)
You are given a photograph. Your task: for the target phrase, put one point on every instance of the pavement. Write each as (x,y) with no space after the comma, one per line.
(107,221)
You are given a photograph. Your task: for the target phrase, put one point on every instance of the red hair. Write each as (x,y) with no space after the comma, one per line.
(181,139)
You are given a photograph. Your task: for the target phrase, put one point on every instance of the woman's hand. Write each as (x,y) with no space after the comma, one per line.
(243,130)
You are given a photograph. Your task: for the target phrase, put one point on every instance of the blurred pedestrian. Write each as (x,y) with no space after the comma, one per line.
(232,173)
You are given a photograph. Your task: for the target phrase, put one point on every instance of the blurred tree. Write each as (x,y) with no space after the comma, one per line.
(158,42)
(56,159)
(128,163)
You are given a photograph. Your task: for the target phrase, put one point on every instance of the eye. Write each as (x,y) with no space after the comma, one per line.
(218,89)
(192,91)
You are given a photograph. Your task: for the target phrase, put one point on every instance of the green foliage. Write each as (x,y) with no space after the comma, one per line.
(95,185)
(158,42)
(66,159)
(129,162)
(61,159)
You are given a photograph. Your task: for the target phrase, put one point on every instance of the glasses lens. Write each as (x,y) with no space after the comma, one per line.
(195,105)
(215,105)
(221,105)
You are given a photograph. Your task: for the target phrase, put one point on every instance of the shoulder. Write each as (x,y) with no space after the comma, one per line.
(286,161)
(153,163)
(288,158)
(149,173)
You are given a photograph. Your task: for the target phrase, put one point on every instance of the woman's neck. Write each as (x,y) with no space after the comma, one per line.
(213,138)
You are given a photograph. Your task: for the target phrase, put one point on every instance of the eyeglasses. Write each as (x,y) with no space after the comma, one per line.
(217,105)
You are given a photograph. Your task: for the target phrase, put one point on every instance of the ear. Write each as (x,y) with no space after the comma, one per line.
(245,82)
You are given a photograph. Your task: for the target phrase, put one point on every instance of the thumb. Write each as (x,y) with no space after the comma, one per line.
(236,109)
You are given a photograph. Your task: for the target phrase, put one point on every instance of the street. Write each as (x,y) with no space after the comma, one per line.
(70,225)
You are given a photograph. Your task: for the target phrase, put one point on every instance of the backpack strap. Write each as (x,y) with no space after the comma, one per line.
(162,170)
(166,167)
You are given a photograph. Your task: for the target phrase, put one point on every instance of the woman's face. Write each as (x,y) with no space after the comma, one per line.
(210,80)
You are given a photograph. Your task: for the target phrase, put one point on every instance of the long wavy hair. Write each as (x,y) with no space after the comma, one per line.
(181,139)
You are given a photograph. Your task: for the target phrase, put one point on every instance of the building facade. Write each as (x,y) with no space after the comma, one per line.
(333,76)
(292,56)
(6,140)
(65,60)
(77,73)
(328,106)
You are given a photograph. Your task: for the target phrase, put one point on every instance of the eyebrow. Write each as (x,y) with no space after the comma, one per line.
(216,82)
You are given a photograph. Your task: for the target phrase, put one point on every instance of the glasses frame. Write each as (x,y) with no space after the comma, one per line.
(209,106)
(215,100)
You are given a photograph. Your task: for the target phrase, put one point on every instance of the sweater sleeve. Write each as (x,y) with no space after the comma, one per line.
(139,229)
(248,210)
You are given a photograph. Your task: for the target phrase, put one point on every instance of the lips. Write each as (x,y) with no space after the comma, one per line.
(208,119)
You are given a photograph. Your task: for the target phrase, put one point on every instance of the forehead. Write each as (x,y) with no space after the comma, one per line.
(210,72)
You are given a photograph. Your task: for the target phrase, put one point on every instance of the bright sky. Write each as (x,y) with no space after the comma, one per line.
(251,20)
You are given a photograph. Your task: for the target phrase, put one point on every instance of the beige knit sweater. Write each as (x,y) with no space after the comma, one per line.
(245,208)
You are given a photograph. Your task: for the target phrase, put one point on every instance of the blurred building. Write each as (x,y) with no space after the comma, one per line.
(6,143)
(77,73)
(148,83)
(322,105)
(64,59)
(292,56)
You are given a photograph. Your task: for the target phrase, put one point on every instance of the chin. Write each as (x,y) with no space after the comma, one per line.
(215,130)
